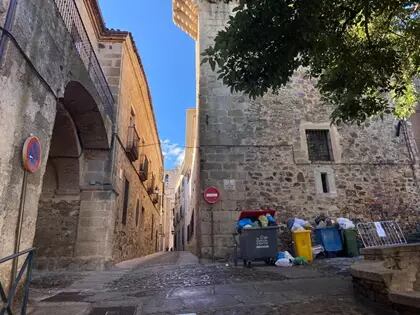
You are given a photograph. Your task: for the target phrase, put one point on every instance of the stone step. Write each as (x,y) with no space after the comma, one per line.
(411,299)
(60,309)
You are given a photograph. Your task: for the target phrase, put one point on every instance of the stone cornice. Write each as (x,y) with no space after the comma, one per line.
(185,15)
(102,32)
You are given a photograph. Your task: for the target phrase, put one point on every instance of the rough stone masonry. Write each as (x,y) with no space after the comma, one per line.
(281,152)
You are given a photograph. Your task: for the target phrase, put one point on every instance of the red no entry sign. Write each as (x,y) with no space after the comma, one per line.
(211,195)
(31,154)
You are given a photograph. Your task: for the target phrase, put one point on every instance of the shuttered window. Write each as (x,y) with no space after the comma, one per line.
(319,145)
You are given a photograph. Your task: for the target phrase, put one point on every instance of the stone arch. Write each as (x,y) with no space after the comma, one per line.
(59,204)
(79,144)
(86,115)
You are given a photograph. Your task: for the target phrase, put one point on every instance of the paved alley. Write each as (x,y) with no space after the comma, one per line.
(176,283)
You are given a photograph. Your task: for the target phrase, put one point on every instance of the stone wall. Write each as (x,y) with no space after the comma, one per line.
(255,152)
(140,234)
(29,105)
(390,275)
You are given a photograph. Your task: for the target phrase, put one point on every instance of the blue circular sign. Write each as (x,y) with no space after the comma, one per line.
(32,154)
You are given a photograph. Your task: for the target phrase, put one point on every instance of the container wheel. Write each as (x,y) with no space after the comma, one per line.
(248,264)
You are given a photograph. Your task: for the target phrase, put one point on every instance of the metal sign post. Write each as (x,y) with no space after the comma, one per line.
(31,160)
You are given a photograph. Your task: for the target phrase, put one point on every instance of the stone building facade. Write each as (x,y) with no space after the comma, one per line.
(81,89)
(170,181)
(185,189)
(281,152)
(138,160)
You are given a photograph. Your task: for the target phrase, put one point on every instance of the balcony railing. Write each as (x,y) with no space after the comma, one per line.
(74,24)
(151,186)
(133,142)
(144,168)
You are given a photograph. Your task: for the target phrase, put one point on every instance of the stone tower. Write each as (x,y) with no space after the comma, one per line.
(281,151)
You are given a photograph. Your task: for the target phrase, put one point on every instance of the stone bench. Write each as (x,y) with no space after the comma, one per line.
(390,275)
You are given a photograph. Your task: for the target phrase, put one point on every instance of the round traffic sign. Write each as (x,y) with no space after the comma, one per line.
(211,195)
(31,154)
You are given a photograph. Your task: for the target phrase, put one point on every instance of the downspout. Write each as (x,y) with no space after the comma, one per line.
(7,27)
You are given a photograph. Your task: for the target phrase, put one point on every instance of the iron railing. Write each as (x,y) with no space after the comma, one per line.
(381,234)
(133,143)
(74,24)
(8,299)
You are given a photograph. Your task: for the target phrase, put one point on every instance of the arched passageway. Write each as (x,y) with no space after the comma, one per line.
(79,132)
(59,204)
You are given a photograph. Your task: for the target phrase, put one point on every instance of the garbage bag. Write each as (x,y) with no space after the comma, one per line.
(321,218)
(284,262)
(297,227)
(300,260)
(300,222)
(271,220)
(296,223)
(317,249)
(263,220)
(284,259)
(242,223)
(286,254)
(345,224)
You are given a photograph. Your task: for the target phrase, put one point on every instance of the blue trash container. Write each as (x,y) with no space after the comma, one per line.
(330,239)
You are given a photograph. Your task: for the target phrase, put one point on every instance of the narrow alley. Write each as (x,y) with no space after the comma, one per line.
(176,283)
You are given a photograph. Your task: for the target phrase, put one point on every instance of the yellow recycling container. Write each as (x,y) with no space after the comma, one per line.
(303,244)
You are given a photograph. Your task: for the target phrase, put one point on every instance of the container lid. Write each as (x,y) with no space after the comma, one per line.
(255,213)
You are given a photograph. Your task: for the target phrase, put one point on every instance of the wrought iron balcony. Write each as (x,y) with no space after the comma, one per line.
(151,188)
(133,142)
(144,168)
(155,198)
(74,24)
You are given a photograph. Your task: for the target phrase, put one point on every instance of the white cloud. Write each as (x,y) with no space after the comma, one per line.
(173,153)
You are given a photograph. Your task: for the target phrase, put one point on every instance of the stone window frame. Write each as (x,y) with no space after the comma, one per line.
(325,169)
(334,137)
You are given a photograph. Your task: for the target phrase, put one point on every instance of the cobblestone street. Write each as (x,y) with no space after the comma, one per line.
(176,283)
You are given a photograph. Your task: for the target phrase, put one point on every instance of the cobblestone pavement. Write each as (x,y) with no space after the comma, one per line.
(176,283)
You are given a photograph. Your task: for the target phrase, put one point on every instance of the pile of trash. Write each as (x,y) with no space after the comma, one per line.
(322,221)
(285,259)
(297,224)
(263,220)
(327,240)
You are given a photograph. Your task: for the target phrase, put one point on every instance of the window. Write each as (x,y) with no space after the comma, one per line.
(137,212)
(325,184)
(125,203)
(319,145)
(325,181)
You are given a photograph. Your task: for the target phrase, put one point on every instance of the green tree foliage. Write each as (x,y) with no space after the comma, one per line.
(364,53)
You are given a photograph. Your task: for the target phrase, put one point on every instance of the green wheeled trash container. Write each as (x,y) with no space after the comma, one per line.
(351,248)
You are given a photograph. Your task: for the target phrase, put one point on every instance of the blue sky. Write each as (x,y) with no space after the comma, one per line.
(168,56)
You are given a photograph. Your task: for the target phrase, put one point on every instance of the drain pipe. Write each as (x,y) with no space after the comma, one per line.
(7,27)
